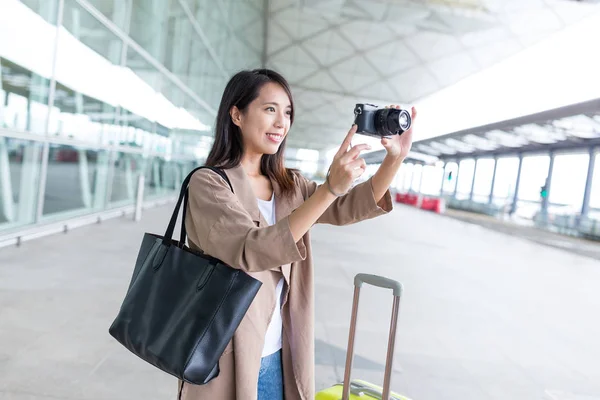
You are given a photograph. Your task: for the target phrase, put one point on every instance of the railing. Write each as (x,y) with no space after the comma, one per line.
(569,223)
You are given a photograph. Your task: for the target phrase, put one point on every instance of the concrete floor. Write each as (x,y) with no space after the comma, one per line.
(577,245)
(485,315)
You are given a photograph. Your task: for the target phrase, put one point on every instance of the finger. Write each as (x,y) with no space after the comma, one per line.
(358,163)
(413,113)
(354,152)
(358,172)
(347,141)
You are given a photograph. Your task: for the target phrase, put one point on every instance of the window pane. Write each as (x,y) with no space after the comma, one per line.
(483,180)
(465,179)
(450,178)
(506,179)
(533,177)
(23,98)
(76,180)
(127,169)
(114,10)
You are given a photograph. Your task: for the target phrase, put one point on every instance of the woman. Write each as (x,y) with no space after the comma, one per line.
(263,229)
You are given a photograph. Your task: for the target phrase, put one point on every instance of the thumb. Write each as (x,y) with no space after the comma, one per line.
(385,142)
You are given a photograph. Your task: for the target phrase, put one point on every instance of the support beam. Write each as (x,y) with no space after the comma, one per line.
(545,200)
(443,178)
(473,180)
(129,176)
(491,198)
(41,192)
(26,211)
(101,183)
(84,178)
(7,209)
(513,207)
(587,194)
(456,177)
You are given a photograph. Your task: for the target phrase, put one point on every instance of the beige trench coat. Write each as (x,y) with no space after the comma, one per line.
(230,227)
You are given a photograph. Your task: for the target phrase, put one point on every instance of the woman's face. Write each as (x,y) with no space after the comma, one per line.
(266,121)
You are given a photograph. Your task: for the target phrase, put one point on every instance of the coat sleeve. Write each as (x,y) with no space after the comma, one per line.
(225,230)
(355,206)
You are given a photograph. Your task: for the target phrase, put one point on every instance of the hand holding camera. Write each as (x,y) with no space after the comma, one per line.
(392,124)
(346,166)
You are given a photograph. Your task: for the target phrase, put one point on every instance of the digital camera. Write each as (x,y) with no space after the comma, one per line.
(380,122)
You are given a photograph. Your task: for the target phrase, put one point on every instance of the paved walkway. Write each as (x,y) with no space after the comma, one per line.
(485,315)
(576,245)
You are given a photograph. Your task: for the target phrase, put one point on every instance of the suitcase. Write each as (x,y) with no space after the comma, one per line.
(358,389)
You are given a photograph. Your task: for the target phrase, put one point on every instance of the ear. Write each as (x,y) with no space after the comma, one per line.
(236,116)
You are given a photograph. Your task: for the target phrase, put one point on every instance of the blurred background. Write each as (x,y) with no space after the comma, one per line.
(105,105)
(96,93)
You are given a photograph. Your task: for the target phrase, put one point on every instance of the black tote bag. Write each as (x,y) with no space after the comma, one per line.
(182,307)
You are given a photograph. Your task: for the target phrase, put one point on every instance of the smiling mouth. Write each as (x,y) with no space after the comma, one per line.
(275,137)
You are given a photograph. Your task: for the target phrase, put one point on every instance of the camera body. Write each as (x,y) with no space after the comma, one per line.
(380,122)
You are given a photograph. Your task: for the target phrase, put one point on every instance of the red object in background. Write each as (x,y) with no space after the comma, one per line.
(66,155)
(434,204)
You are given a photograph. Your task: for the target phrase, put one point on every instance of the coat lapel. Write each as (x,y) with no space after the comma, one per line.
(243,190)
(283,208)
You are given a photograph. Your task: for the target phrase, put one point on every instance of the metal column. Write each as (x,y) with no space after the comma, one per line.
(473,181)
(513,207)
(545,200)
(443,178)
(7,205)
(587,194)
(456,177)
(491,198)
(46,149)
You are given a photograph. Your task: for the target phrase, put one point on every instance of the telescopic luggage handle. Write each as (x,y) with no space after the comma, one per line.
(382,282)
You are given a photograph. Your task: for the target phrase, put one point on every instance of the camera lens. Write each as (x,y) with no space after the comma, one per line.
(391,121)
(404,120)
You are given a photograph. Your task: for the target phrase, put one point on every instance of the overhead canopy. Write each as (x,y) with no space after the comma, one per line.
(572,127)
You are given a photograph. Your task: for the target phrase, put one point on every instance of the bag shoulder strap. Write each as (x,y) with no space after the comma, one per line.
(183,198)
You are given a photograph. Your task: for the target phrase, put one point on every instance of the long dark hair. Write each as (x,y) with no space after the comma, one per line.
(228,148)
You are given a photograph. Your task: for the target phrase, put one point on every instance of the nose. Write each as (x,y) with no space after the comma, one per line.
(279,124)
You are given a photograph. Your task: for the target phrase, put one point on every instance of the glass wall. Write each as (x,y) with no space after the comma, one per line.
(506,180)
(483,180)
(95,94)
(465,179)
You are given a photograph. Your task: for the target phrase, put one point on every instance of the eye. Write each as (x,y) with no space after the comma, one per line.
(289,112)
(271,109)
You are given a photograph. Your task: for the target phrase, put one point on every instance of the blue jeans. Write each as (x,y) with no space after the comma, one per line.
(270,377)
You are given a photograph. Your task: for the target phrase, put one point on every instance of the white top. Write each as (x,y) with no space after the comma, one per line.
(275,328)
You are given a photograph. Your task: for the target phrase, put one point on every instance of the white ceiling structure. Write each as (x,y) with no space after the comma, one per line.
(336,53)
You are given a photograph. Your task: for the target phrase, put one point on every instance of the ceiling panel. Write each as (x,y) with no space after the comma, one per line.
(396,51)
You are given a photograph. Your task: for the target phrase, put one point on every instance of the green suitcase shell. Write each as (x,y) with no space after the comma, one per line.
(358,389)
